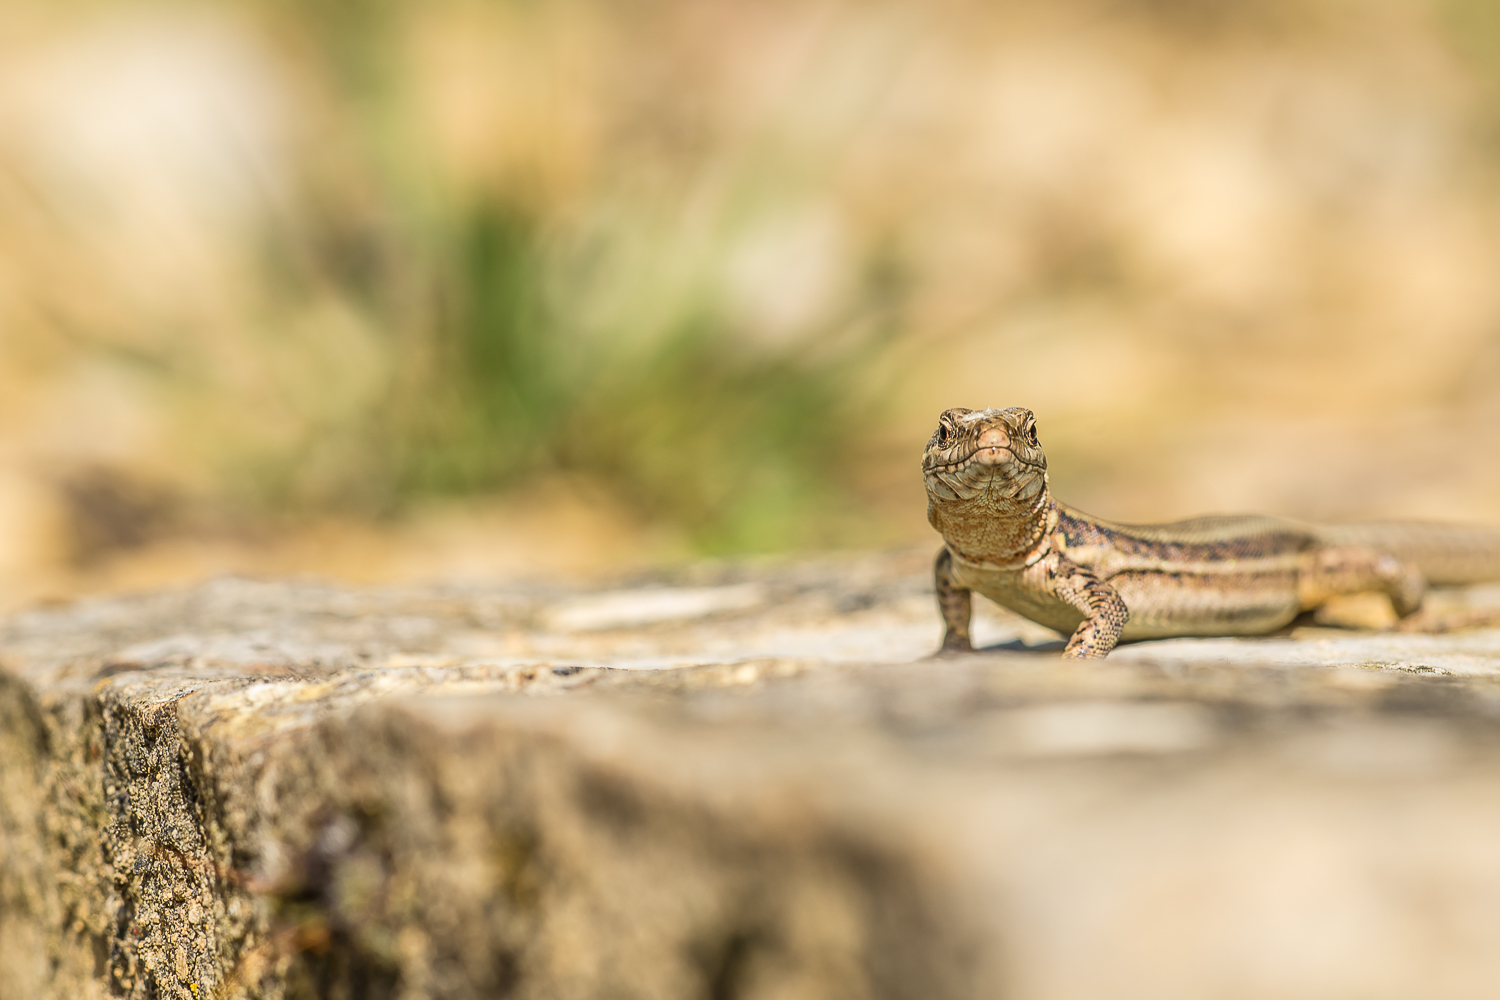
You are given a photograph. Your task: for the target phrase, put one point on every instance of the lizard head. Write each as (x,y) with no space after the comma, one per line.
(994,453)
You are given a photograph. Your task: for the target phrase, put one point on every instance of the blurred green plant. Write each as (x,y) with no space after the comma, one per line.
(539,364)
(598,345)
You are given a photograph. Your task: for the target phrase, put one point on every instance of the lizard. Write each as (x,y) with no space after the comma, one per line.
(1101,582)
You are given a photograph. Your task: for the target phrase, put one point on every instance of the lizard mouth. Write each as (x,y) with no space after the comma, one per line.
(995,455)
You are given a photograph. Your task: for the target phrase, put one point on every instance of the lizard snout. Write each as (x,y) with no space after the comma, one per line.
(994,447)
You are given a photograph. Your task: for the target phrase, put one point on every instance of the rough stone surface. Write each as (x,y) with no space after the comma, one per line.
(734,782)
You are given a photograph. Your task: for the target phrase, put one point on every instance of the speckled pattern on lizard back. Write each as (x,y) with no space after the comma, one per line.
(1101,582)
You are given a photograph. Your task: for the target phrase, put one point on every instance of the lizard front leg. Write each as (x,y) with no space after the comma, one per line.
(1104,611)
(956,603)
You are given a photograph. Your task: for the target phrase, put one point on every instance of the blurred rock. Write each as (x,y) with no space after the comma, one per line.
(270,789)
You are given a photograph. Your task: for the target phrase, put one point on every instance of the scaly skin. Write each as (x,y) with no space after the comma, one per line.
(1006,538)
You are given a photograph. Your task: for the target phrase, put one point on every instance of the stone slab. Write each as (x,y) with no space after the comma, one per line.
(732,782)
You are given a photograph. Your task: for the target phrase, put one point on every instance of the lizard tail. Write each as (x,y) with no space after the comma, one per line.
(1443,553)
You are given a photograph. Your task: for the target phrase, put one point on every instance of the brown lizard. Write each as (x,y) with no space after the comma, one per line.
(1005,537)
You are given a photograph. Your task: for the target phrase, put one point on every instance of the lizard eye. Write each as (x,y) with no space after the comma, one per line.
(944,435)
(1031,436)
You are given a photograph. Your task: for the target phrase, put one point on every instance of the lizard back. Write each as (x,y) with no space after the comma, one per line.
(1215,575)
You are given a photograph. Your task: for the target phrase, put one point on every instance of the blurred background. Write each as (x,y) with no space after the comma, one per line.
(388,289)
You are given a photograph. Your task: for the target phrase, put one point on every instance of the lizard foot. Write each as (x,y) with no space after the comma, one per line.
(953,645)
(1084,651)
